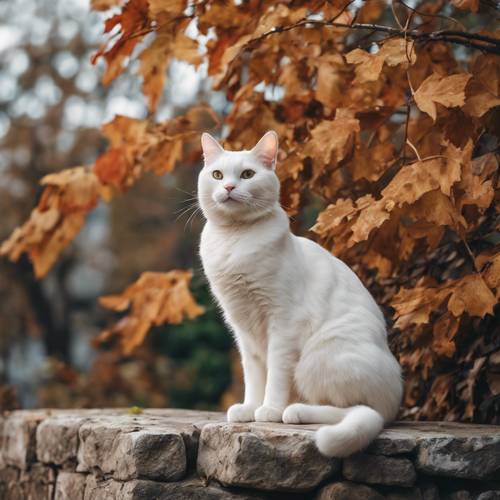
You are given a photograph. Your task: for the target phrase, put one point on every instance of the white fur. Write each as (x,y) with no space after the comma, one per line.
(300,316)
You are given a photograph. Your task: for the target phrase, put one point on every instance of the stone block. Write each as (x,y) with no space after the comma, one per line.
(70,486)
(126,451)
(18,438)
(379,469)
(9,484)
(393,442)
(37,483)
(57,440)
(263,456)
(471,457)
(348,491)
(192,489)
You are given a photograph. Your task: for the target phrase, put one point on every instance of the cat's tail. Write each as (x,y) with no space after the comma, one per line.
(359,426)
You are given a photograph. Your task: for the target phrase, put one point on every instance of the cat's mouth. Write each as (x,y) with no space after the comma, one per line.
(229,198)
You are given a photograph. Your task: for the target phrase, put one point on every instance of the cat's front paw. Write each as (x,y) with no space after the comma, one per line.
(241,413)
(268,414)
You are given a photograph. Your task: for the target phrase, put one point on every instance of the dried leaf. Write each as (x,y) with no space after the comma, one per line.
(59,216)
(448,91)
(154,299)
(396,51)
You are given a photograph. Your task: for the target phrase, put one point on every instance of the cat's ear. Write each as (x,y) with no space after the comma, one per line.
(266,150)
(211,148)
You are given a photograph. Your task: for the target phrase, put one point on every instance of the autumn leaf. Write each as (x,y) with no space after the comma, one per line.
(59,216)
(443,333)
(139,146)
(333,215)
(448,91)
(472,5)
(155,59)
(471,295)
(331,140)
(104,4)
(394,52)
(468,294)
(154,299)
(134,23)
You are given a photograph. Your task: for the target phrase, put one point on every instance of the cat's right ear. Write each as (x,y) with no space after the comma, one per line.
(211,148)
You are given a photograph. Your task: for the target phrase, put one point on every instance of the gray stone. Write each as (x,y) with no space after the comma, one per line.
(127,451)
(458,495)
(379,469)
(392,442)
(37,483)
(429,491)
(70,486)
(9,483)
(263,456)
(348,491)
(17,438)
(464,457)
(405,494)
(489,495)
(57,439)
(193,489)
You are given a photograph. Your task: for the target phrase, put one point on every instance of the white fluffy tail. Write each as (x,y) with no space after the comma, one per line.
(357,429)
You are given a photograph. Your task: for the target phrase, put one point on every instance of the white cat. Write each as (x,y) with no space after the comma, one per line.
(302,319)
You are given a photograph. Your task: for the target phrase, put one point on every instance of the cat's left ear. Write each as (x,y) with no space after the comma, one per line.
(266,150)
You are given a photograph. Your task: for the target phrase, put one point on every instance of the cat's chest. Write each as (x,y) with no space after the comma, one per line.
(241,258)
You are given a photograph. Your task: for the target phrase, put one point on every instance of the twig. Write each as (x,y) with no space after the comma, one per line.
(471,40)
(415,150)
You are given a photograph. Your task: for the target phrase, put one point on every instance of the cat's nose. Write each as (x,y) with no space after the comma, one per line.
(229,187)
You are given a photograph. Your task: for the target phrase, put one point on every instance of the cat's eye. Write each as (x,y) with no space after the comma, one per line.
(217,174)
(247,174)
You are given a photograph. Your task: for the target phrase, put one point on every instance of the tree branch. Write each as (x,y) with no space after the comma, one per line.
(471,40)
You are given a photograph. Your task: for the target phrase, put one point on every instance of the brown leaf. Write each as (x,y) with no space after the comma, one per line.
(154,299)
(331,140)
(471,295)
(59,216)
(134,23)
(472,5)
(394,52)
(448,91)
(104,4)
(443,333)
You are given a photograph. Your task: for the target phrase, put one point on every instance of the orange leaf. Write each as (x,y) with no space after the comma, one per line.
(59,216)
(154,299)
(448,91)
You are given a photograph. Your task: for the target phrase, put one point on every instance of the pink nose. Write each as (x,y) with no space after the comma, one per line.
(229,187)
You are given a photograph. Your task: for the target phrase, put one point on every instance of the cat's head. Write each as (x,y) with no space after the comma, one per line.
(238,186)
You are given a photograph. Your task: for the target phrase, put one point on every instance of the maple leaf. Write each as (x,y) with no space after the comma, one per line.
(471,295)
(333,215)
(394,52)
(59,216)
(331,140)
(139,146)
(154,299)
(446,90)
(472,5)
(104,4)
(134,23)
(155,59)
(443,334)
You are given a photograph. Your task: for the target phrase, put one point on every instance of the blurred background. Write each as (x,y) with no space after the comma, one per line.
(51,107)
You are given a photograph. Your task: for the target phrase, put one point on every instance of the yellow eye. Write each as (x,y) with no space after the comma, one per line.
(247,174)
(217,174)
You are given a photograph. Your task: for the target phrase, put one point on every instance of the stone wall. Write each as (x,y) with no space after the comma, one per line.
(179,454)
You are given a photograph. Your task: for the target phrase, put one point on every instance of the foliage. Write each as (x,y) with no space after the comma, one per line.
(386,112)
